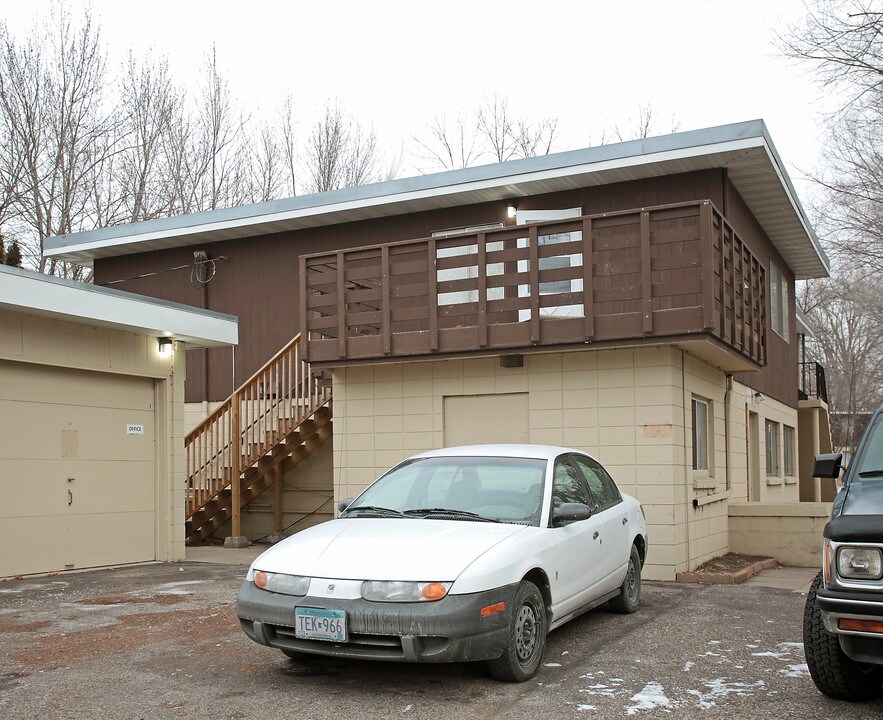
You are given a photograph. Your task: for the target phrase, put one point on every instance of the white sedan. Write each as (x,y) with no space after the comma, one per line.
(466,553)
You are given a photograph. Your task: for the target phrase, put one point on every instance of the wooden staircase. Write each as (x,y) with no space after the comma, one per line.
(267,426)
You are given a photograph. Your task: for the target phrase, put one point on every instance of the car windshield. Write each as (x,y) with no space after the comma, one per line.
(495,489)
(870,462)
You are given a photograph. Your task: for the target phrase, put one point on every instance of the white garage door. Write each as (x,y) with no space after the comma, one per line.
(77,484)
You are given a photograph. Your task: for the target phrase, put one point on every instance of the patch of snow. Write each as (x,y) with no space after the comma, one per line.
(719,688)
(408,708)
(652,696)
(770,653)
(688,665)
(179,583)
(714,642)
(799,670)
(583,708)
(551,664)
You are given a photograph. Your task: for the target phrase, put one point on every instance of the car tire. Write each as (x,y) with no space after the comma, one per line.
(835,673)
(630,591)
(527,637)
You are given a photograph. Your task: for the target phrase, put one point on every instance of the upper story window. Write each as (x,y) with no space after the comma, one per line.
(779,302)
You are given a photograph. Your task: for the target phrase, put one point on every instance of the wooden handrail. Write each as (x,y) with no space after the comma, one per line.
(260,414)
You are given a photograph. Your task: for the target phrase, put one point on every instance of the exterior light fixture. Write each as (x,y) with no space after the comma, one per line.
(511,209)
(165,345)
(759,397)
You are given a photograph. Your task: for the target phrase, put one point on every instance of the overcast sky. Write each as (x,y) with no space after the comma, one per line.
(398,64)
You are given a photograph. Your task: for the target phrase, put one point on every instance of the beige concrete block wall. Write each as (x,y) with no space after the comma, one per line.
(195,413)
(307,499)
(49,342)
(789,532)
(624,406)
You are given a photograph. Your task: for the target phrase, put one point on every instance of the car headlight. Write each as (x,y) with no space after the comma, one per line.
(280,583)
(396,591)
(860,563)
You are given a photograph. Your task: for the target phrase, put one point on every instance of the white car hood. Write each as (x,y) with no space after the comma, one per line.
(385,549)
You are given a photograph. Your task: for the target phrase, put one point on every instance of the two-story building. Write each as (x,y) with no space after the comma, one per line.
(633,300)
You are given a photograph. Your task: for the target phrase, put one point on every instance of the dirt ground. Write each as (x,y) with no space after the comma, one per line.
(163,641)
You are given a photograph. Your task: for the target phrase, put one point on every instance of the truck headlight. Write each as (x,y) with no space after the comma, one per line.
(860,563)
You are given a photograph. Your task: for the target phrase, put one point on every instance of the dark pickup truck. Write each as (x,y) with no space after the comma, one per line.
(843,618)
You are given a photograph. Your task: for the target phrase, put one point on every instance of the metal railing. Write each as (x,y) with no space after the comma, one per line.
(812,381)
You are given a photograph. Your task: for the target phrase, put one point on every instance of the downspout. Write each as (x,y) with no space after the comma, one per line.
(687,485)
(727,393)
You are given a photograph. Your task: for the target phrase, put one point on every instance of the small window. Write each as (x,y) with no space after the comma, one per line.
(772,448)
(700,434)
(789,448)
(779,302)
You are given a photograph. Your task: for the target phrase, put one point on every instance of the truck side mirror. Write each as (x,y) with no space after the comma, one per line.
(829,465)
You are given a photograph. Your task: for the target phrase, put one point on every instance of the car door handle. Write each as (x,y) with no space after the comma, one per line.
(595,535)
(625,521)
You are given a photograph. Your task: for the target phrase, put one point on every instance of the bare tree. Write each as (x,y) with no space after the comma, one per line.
(288,144)
(847,314)
(842,40)
(340,152)
(58,125)
(149,103)
(490,133)
(448,147)
(645,124)
(498,128)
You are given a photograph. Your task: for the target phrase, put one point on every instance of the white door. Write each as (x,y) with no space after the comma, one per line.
(77,469)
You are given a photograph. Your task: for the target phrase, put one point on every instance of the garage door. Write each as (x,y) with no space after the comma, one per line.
(77,469)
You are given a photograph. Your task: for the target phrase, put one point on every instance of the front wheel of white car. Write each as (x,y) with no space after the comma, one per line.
(527,637)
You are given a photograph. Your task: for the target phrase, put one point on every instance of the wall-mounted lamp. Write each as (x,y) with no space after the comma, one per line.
(759,397)
(165,345)
(511,210)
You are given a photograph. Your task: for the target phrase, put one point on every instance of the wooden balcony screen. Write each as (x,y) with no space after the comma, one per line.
(667,271)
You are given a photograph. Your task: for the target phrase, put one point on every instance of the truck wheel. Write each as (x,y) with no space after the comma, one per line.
(527,637)
(835,673)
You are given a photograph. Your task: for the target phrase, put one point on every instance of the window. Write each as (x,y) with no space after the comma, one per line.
(772,448)
(567,485)
(700,434)
(779,302)
(789,447)
(601,485)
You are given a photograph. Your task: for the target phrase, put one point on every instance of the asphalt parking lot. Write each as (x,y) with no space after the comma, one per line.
(162,641)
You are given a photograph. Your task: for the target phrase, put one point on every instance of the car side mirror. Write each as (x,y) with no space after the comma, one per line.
(567,513)
(829,465)
(344,504)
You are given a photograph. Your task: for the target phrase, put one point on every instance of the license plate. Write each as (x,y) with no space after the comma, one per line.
(319,624)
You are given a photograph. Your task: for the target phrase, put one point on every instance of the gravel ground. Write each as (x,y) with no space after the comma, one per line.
(163,641)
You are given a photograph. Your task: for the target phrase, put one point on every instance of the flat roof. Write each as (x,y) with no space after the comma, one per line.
(745,149)
(33,293)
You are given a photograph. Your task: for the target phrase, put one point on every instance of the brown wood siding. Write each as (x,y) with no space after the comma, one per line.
(778,379)
(259,281)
